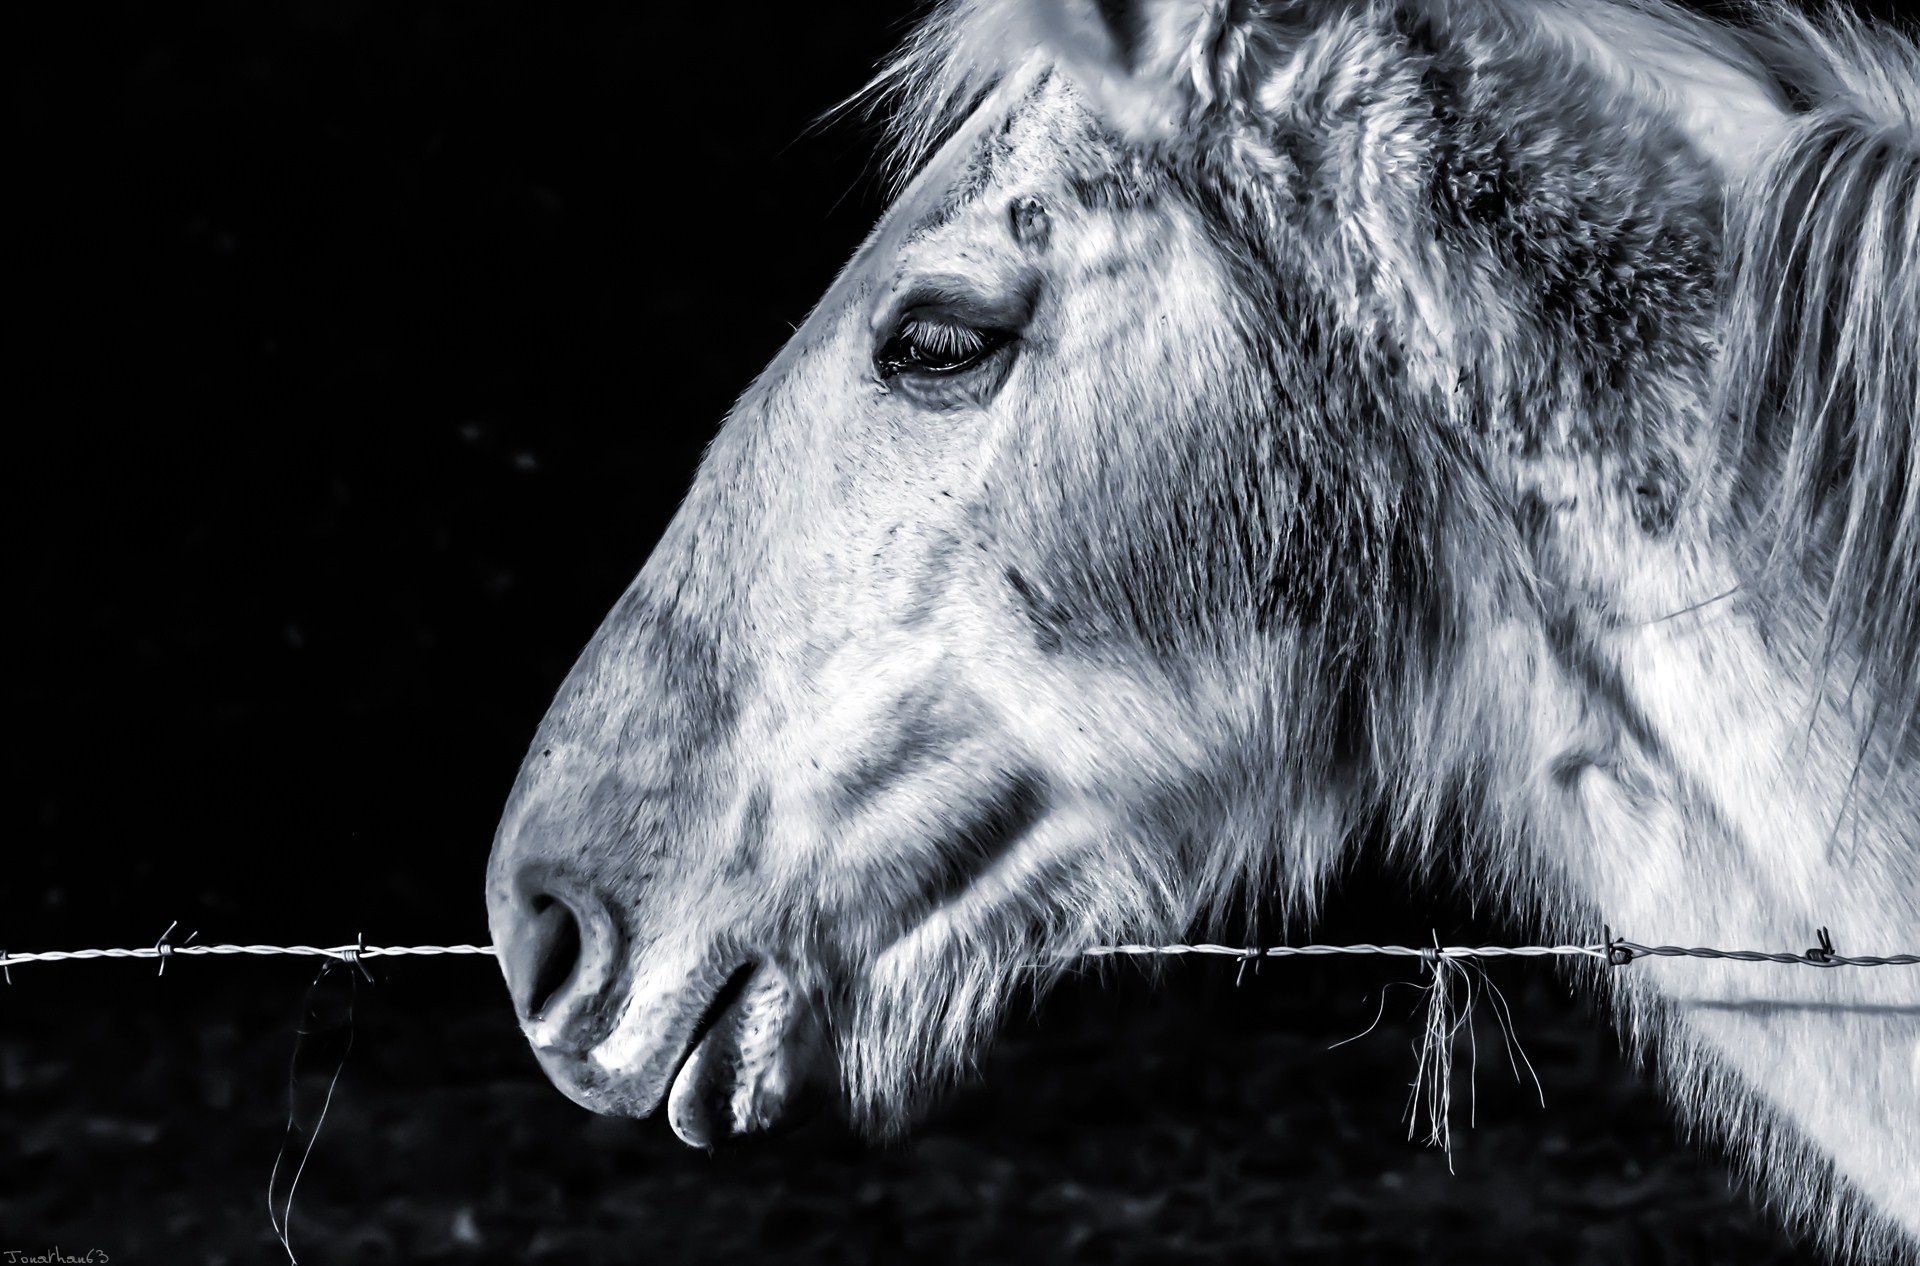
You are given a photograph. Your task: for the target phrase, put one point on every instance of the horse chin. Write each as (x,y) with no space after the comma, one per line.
(761,1062)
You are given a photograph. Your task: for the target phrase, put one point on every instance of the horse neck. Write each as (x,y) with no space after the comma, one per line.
(1673,763)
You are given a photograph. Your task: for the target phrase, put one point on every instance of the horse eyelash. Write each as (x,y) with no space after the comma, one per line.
(943,339)
(927,345)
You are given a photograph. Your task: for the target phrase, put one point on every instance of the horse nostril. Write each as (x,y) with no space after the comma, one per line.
(544,951)
(551,946)
(563,951)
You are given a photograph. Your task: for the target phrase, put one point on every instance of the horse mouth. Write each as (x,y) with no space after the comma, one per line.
(752,1058)
(728,1051)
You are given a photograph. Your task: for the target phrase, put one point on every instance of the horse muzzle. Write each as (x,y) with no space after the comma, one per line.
(726,1039)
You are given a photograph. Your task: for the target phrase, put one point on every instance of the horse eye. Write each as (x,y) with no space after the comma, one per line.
(932,343)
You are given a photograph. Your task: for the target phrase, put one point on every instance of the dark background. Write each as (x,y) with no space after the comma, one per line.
(364,350)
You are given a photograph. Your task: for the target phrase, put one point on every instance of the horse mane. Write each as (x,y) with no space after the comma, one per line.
(1819,377)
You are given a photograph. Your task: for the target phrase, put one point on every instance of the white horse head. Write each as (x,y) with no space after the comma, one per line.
(1254,420)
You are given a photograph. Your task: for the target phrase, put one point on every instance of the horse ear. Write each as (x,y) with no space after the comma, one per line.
(1149,65)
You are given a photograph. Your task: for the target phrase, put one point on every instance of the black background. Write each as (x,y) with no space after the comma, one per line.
(377,343)
(364,349)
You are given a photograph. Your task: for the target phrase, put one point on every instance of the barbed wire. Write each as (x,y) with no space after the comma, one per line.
(1612,950)
(345,953)
(1364,948)
(1447,1015)
(164,952)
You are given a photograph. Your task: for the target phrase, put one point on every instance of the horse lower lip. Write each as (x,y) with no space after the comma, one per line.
(704,1081)
(698,1108)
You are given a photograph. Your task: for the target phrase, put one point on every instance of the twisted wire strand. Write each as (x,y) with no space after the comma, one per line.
(1317,951)
(1811,958)
(344,953)
(1614,952)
